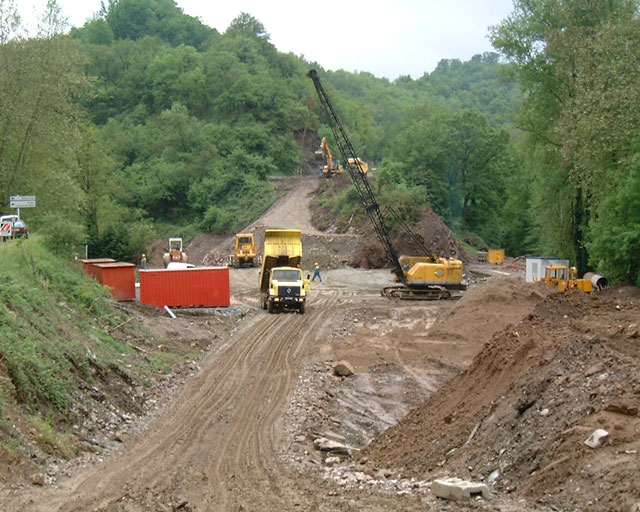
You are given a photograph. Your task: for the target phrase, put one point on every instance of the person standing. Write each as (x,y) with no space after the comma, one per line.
(316,273)
(143,262)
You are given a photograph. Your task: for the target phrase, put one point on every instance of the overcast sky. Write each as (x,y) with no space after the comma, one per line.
(388,38)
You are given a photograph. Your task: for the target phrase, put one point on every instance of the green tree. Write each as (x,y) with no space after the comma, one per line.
(94,176)
(543,39)
(39,86)
(615,243)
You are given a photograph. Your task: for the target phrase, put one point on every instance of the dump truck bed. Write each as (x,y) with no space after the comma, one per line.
(282,248)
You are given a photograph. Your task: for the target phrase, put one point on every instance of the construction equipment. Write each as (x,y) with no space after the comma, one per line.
(363,165)
(332,166)
(495,256)
(245,252)
(175,252)
(565,278)
(423,278)
(282,283)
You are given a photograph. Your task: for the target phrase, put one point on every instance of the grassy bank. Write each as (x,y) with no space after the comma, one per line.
(68,354)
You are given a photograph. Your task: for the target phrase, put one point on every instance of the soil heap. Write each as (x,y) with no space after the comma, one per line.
(518,417)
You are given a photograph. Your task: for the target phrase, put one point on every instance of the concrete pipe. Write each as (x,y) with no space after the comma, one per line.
(597,281)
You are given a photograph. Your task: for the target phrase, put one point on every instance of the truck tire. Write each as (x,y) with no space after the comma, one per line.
(270,308)
(301,308)
(263,302)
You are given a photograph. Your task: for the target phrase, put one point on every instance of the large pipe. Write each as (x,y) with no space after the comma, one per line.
(597,281)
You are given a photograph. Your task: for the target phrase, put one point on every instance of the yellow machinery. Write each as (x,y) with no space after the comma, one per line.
(363,165)
(282,283)
(422,278)
(495,256)
(428,271)
(245,252)
(175,252)
(565,278)
(324,153)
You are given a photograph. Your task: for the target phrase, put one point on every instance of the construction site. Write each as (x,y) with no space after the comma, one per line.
(365,402)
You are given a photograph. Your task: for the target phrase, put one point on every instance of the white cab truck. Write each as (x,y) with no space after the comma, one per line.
(283,285)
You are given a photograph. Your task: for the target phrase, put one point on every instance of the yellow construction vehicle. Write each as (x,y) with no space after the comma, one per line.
(425,277)
(245,252)
(332,166)
(175,252)
(565,278)
(495,256)
(282,284)
(363,165)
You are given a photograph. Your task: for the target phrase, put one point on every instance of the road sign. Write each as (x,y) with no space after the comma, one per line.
(22,201)
(5,229)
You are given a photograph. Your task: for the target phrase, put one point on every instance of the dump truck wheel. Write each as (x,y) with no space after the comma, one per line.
(301,308)
(270,308)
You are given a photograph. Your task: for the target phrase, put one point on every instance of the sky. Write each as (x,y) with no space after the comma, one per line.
(388,38)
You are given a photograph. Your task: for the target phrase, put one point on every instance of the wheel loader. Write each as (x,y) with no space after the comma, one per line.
(175,252)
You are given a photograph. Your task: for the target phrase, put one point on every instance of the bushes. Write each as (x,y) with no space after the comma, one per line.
(62,234)
(615,232)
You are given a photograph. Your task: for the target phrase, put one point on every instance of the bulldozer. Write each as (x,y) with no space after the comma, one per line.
(245,252)
(174,252)
(565,278)
(332,166)
(362,164)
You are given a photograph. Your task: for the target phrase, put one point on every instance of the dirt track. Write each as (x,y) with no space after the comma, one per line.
(216,447)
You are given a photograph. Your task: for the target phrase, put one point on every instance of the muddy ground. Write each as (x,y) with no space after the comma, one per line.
(502,386)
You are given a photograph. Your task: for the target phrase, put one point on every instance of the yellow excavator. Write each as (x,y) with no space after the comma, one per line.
(425,277)
(331,166)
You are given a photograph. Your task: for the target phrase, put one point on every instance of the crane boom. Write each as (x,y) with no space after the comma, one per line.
(359,177)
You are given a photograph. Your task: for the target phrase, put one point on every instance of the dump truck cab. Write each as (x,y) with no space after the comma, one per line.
(283,285)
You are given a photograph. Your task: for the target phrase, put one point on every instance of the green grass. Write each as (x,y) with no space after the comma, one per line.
(57,336)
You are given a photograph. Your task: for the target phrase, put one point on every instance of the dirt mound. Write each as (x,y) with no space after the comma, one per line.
(519,415)
(434,232)
(201,245)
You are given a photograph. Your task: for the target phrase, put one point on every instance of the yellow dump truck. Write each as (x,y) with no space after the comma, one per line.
(245,252)
(282,282)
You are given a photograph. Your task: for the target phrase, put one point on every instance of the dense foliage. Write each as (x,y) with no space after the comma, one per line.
(578,61)
(146,117)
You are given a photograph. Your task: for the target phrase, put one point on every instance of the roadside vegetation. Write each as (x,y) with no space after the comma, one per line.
(64,344)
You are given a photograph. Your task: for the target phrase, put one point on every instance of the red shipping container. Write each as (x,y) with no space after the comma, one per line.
(119,277)
(87,262)
(186,288)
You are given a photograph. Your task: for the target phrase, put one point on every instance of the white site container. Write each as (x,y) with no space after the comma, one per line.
(536,266)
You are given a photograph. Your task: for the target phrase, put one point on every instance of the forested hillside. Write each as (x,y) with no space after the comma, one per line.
(146,123)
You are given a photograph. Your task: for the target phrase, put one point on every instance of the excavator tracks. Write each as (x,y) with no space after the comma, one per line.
(406,293)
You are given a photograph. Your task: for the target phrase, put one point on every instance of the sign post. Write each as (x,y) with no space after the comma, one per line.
(18,202)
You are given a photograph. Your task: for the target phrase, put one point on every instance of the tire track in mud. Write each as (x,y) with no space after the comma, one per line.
(216,445)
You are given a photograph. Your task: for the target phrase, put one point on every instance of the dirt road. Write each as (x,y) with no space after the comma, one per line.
(216,447)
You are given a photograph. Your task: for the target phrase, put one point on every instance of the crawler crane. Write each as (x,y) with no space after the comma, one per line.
(426,277)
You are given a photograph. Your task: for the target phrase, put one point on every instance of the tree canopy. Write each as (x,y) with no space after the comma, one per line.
(145,116)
